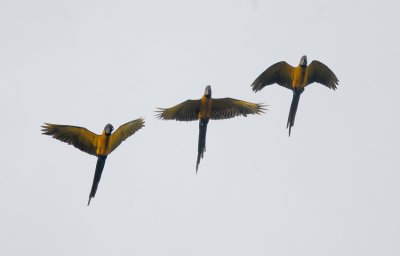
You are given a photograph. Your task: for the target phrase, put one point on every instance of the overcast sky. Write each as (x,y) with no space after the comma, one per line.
(332,188)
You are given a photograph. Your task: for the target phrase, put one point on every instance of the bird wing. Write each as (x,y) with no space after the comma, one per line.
(185,111)
(320,73)
(123,132)
(226,108)
(280,73)
(79,137)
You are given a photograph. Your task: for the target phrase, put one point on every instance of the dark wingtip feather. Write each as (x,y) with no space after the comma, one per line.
(159,113)
(262,108)
(256,86)
(142,122)
(47,129)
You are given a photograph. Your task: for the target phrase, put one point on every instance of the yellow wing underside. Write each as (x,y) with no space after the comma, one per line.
(79,137)
(320,73)
(223,108)
(292,77)
(124,132)
(90,142)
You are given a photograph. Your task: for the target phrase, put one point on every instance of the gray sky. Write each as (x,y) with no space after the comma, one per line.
(330,189)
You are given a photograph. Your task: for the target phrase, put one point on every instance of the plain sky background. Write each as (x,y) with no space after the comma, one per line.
(332,188)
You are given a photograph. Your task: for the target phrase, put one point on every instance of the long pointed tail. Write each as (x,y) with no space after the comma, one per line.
(101,160)
(202,141)
(293,108)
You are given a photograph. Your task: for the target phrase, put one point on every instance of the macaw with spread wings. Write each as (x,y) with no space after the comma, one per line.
(295,79)
(94,144)
(205,109)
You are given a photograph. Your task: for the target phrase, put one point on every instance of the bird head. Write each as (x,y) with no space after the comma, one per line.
(207,92)
(303,61)
(108,129)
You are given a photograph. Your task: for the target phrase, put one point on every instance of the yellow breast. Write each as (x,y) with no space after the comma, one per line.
(102,144)
(205,108)
(299,77)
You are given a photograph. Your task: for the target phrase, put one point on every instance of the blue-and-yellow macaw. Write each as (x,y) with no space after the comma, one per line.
(94,144)
(205,109)
(296,79)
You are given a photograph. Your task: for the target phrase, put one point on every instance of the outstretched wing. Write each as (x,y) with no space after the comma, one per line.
(185,111)
(280,73)
(123,132)
(79,137)
(320,73)
(226,108)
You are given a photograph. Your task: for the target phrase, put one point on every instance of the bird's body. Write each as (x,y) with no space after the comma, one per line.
(98,145)
(296,79)
(205,109)
(299,77)
(103,145)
